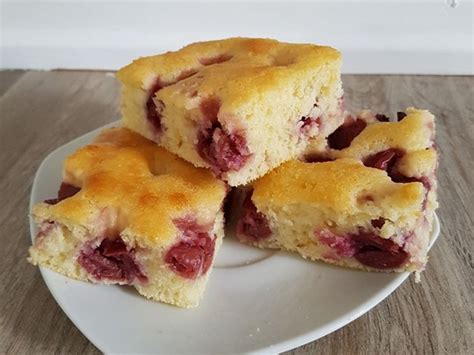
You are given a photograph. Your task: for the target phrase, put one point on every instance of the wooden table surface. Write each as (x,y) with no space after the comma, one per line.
(39,111)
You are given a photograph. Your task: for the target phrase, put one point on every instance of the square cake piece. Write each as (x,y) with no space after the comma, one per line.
(239,106)
(130,213)
(366,202)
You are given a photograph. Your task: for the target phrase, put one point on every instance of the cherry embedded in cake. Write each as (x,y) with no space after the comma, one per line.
(192,255)
(366,201)
(252,224)
(342,137)
(239,106)
(226,152)
(112,261)
(65,191)
(130,213)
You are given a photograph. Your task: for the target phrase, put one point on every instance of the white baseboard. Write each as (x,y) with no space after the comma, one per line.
(413,37)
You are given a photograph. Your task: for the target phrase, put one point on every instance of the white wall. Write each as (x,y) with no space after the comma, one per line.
(375,36)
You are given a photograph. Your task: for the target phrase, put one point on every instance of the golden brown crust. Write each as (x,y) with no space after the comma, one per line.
(139,185)
(342,185)
(337,184)
(414,133)
(261,64)
(414,136)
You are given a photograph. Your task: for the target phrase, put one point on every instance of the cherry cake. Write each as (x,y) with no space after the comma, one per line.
(239,106)
(366,201)
(130,213)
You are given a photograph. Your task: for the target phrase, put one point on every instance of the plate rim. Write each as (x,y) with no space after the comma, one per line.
(282,346)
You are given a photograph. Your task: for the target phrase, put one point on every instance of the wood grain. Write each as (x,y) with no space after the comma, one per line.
(40,111)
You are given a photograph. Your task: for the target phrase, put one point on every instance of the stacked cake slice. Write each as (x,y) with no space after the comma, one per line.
(239,107)
(366,201)
(142,205)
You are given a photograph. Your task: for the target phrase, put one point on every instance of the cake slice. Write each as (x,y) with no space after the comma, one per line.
(130,213)
(366,202)
(238,106)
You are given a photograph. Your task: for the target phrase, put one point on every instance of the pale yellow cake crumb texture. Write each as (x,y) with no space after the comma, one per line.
(263,88)
(60,248)
(418,163)
(166,286)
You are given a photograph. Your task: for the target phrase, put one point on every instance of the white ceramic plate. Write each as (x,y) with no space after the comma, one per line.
(256,301)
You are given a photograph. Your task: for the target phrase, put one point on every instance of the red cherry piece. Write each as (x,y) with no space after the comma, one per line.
(382,259)
(317,158)
(377,252)
(112,261)
(253,224)
(154,107)
(401,116)
(191,259)
(382,118)
(65,191)
(192,256)
(342,137)
(154,111)
(384,160)
(222,150)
